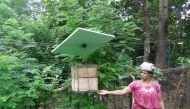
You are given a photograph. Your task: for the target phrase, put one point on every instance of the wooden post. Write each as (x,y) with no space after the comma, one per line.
(187,90)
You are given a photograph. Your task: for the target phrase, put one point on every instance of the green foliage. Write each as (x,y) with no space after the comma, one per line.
(5,13)
(184,62)
(22,85)
(9,63)
(11,82)
(19,6)
(31,76)
(85,101)
(158,75)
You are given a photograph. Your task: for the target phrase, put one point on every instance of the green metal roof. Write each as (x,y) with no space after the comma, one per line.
(82,42)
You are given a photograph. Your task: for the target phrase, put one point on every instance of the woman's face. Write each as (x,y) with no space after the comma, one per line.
(145,75)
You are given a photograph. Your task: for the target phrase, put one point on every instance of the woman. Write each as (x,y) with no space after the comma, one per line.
(146,92)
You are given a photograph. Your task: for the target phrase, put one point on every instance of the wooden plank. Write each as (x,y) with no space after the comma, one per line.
(84,84)
(93,82)
(84,71)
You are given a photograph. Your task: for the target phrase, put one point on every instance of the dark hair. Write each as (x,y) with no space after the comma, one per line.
(151,72)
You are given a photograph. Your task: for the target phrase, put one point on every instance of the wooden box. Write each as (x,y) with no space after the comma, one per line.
(84,78)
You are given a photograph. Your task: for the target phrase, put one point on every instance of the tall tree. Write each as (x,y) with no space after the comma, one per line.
(162,35)
(146,30)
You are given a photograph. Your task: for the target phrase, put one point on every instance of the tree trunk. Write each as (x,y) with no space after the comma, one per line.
(162,35)
(146,30)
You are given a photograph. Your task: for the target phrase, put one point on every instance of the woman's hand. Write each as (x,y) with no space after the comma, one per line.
(102,92)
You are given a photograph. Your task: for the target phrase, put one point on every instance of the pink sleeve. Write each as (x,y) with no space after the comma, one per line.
(132,85)
(157,87)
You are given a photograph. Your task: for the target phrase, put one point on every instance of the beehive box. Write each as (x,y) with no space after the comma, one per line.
(84,78)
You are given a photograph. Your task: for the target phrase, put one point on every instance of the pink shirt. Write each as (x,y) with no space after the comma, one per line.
(145,97)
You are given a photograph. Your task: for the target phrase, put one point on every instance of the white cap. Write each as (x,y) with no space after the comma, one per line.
(146,66)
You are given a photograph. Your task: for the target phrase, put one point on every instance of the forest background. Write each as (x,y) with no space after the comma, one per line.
(32,77)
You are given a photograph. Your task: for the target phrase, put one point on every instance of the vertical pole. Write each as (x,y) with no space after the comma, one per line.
(168,66)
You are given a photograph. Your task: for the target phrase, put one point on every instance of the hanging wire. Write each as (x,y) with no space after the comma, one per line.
(96,44)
